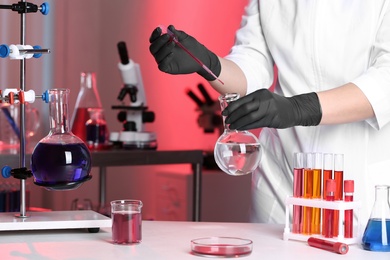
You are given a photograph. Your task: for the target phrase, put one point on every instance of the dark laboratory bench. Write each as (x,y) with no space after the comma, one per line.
(120,157)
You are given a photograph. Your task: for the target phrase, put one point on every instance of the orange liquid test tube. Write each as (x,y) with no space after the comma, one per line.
(326,175)
(339,178)
(317,175)
(307,192)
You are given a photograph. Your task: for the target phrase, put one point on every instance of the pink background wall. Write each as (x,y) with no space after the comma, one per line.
(86,38)
(82,36)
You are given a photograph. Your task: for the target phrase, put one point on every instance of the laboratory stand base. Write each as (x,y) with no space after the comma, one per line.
(73,219)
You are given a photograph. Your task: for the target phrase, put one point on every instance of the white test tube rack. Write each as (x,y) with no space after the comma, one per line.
(341,206)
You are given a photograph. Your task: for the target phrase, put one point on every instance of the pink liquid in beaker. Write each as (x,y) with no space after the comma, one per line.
(126,227)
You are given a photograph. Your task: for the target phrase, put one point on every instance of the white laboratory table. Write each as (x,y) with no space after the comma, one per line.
(163,240)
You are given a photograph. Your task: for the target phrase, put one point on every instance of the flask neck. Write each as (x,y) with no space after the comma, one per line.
(88,96)
(224,101)
(58,111)
(382,193)
(381,209)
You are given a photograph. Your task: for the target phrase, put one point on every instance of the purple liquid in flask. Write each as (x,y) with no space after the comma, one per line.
(61,160)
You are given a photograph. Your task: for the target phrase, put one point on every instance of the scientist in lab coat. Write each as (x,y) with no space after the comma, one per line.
(332,93)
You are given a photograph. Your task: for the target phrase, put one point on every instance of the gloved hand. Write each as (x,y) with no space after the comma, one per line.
(263,108)
(174,60)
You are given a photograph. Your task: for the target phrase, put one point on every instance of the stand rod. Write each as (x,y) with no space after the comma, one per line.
(22,158)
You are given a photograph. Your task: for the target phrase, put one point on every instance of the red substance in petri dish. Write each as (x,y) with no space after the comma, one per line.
(221,246)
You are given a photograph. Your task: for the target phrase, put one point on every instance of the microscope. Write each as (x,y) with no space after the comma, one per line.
(135,113)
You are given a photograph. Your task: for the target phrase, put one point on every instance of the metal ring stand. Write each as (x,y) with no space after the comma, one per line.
(38,220)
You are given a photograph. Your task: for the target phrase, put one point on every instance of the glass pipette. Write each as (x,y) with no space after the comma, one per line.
(174,38)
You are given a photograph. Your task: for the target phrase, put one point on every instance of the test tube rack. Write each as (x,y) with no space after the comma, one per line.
(9,221)
(341,206)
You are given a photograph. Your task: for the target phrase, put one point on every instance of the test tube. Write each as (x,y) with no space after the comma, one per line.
(335,247)
(329,213)
(317,175)
(297,192)
(338,195)
(327,173)
(307,191)
(348,217)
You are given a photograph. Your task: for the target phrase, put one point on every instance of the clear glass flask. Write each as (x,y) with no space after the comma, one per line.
(87,98)
(236,152)
(61,160)
(376,236)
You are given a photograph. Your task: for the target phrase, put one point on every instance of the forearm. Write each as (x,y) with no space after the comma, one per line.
(344,104)
(233,78)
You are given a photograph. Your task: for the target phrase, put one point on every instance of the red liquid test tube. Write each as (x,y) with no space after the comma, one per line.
(348,217)
(338,195)
(329,213)
(335,247)
(297,192)
(327,173)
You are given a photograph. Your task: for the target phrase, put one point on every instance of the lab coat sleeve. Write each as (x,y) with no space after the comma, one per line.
(250,51)
(375,82)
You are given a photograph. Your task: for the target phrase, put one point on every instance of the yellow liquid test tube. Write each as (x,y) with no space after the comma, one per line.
(307,192)
(317,176)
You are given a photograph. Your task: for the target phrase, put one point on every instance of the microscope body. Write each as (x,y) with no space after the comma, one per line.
(134,113)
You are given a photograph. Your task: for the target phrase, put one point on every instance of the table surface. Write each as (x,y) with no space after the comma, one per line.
(164,240)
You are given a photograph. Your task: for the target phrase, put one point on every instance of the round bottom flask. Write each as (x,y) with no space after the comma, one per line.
(236,152)
(61,160)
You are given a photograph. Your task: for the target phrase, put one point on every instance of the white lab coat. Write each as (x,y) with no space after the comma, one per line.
(318,45)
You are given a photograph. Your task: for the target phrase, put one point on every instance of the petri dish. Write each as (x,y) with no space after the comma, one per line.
(221,246)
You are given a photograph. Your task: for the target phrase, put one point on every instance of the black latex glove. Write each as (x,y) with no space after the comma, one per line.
(263,108)
(172,59)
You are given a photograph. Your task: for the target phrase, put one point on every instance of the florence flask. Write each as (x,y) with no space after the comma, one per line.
(236,152)
(61,160)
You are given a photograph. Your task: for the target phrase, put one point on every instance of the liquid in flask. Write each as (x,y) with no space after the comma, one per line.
(96,128)
(376,236)
(236,152)
(61,160)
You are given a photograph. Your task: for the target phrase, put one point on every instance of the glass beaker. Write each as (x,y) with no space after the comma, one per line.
(236,152)
(376,236)
(10,124)
(61,160)
(126,218)
(88,97)
(96,128)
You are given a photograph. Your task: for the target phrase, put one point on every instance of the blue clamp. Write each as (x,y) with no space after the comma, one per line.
(4,51)
(38,54)
(6,171)
(45,96)
(45,8)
